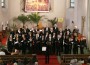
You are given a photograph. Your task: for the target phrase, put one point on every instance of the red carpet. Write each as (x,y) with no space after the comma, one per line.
(53,60)
(4,40)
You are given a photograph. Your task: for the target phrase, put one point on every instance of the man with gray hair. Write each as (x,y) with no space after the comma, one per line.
(73,61)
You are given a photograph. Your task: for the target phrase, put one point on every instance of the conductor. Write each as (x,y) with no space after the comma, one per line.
(47,53)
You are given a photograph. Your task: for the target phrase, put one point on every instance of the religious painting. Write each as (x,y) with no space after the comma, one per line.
(37,5)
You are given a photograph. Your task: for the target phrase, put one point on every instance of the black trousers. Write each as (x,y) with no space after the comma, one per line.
(47,59)
(75,50)
(57,50)
(82,50)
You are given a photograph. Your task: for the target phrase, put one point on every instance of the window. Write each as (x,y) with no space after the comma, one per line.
(3,3)
(72,3)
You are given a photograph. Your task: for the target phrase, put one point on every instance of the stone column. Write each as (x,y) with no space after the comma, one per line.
(88,19)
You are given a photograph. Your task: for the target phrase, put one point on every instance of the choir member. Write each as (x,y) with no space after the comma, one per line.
(24,44)
(27,29)
(58,45)
(76,30)
(10,44)
(43,41)
(82,45)
(16,44)
(66,44)
(67,29)
(70,45)
(12,32)
(55,29)
(50,42)
(54,43)
(75,45)
(46,30)
(19,32)
(51,32)
(47,53)
(29,45)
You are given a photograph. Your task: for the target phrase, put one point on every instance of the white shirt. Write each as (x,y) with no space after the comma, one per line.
(2,53)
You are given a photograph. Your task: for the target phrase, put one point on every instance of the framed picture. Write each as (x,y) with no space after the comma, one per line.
(37,5)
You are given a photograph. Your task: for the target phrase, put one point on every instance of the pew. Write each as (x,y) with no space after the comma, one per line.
(67,57)
(1,36)
(5,58)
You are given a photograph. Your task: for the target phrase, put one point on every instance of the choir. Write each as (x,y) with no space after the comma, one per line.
(32,40)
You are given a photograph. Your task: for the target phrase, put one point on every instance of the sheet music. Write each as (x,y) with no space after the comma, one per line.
(43,48)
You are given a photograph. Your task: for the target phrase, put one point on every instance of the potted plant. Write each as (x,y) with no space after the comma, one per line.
(22,18)
(53,21)
(34,17)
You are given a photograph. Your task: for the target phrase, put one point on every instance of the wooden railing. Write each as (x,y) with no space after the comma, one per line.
(67,57)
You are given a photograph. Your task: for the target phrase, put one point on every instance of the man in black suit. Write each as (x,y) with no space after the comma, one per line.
(67,31)
(12,33)
(10,44)
(76,30)
(47,53)
(46,30)
(55,28)
(24,45)
(75,45)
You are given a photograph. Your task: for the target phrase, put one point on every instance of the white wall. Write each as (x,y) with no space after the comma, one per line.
(57,6)
(81,11)
(69,15)
(75,14)
(3,14)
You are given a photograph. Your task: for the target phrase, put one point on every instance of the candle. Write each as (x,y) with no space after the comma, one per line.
(2,23)
(7,22)
(2,4)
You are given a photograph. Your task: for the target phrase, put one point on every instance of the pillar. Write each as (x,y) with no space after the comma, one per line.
(88,19)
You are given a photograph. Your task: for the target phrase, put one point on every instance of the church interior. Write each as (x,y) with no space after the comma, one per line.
(44,32)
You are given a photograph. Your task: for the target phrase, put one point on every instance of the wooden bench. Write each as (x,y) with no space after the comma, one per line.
(67,57)
(16,57)
(1,36)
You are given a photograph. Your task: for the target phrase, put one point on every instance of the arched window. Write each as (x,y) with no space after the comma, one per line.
(3,3)
(72,3)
